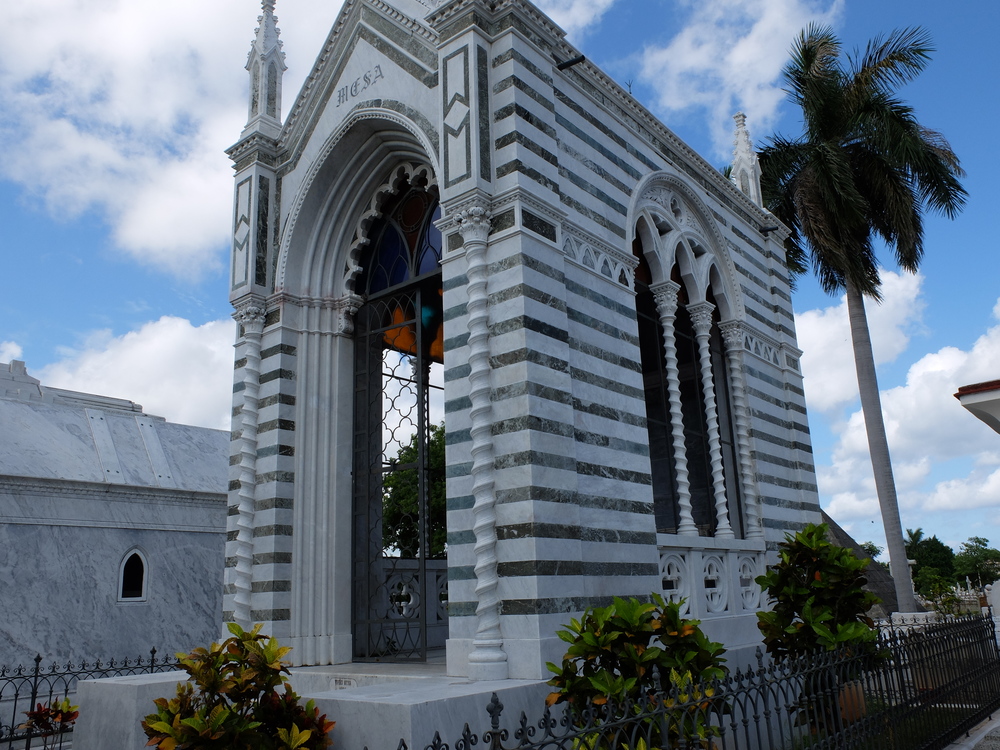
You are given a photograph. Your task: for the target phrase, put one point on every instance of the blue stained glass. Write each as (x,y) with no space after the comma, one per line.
(430,251)
(391,261)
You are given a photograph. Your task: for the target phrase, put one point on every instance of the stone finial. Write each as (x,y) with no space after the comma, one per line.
(266,66)
(746,171)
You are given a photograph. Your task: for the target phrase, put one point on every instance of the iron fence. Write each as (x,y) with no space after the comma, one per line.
(917,688)
(23,689)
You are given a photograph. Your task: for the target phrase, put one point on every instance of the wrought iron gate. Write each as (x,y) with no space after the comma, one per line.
(400,575)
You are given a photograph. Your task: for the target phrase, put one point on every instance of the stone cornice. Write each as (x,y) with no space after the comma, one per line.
(127,493)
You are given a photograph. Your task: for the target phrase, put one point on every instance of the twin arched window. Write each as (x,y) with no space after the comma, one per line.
(692,436)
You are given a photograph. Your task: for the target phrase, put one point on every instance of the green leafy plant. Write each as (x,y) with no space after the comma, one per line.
(237,703)
(48,721)
(819,598)
(611,658)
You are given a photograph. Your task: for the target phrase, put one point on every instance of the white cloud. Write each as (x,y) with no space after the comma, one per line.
(945,460)
(175,370)
(825,339)
(126,108)
(727,57)
(575,15)
(10,350)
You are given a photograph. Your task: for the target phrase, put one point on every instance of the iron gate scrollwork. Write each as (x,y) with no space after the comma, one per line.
(399,483)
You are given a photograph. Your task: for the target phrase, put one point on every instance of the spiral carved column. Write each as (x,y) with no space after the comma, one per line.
(666,305)
(251,317)
(732,336)
(701,320)
(487,661)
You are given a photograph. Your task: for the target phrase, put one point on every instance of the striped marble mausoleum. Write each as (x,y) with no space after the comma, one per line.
(507,348)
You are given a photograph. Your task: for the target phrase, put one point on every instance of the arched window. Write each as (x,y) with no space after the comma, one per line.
(132,577)
(399,492)
(682,469)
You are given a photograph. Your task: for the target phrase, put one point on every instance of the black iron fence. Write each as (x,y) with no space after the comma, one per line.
(918,688)
(25,690)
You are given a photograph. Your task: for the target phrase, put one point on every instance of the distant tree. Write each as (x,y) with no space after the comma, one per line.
(400,500)
(978,561)
(930,553)
(872,549)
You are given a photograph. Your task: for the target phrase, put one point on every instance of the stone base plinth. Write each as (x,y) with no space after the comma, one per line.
(374,705)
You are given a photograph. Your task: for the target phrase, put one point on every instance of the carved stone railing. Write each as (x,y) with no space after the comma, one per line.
(715,577)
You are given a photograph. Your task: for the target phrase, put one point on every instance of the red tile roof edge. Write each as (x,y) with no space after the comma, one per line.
(989,385)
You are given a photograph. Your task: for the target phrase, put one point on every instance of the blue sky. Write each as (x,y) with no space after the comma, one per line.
(115,202)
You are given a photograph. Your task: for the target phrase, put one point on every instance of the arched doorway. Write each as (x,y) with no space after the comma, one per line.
(400,574)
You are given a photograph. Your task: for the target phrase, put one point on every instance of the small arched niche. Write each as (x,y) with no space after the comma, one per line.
(133,576)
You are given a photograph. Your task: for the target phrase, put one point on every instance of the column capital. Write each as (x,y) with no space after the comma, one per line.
(665,295)
(250,315)
(473,220)
(701,316)
(732,334)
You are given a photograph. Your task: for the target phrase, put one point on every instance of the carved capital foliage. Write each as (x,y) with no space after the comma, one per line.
(732,334)
(701,317)
(665,296)
(473,221)
(250,315)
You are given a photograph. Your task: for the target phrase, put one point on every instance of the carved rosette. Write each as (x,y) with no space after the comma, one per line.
(701,320)
(732,337)
(665,296)
(250,316)
(488,660)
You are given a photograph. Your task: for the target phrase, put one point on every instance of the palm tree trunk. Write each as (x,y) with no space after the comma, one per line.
(878,447)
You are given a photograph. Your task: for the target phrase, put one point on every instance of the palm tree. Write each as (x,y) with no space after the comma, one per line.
(863,170)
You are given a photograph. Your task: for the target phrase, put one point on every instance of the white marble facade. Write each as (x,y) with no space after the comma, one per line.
(86,482)
(569,216)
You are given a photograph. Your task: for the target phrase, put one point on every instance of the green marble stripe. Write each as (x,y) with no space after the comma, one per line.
(524,568)
(787,424)
(592,215)
(532,174)
(631,364)
(767,458)
(595,168)
(786,483)
(515,82)
(534,458)
(626,311)
(604,128)
(797,505)
(531,355)
(591,189)
(276,450)
(279,349)
(270,615)
(276,424)
(566,531)
(512,110)
(527,291)
(517,390)
(520,59)
(536,493)
(783,403)
(528,323)
(600,326)
(781,442)
(615,415)
(284,399)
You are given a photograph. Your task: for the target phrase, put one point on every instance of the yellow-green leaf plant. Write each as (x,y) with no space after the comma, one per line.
(238,698)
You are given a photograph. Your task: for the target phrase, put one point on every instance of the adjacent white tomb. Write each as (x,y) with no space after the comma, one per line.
(461,222)
(112,526)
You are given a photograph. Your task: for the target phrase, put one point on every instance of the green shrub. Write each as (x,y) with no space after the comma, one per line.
(236,704)
(611,655)
(818,594)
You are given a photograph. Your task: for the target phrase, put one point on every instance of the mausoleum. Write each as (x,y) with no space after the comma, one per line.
(507,347)
(112,526)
